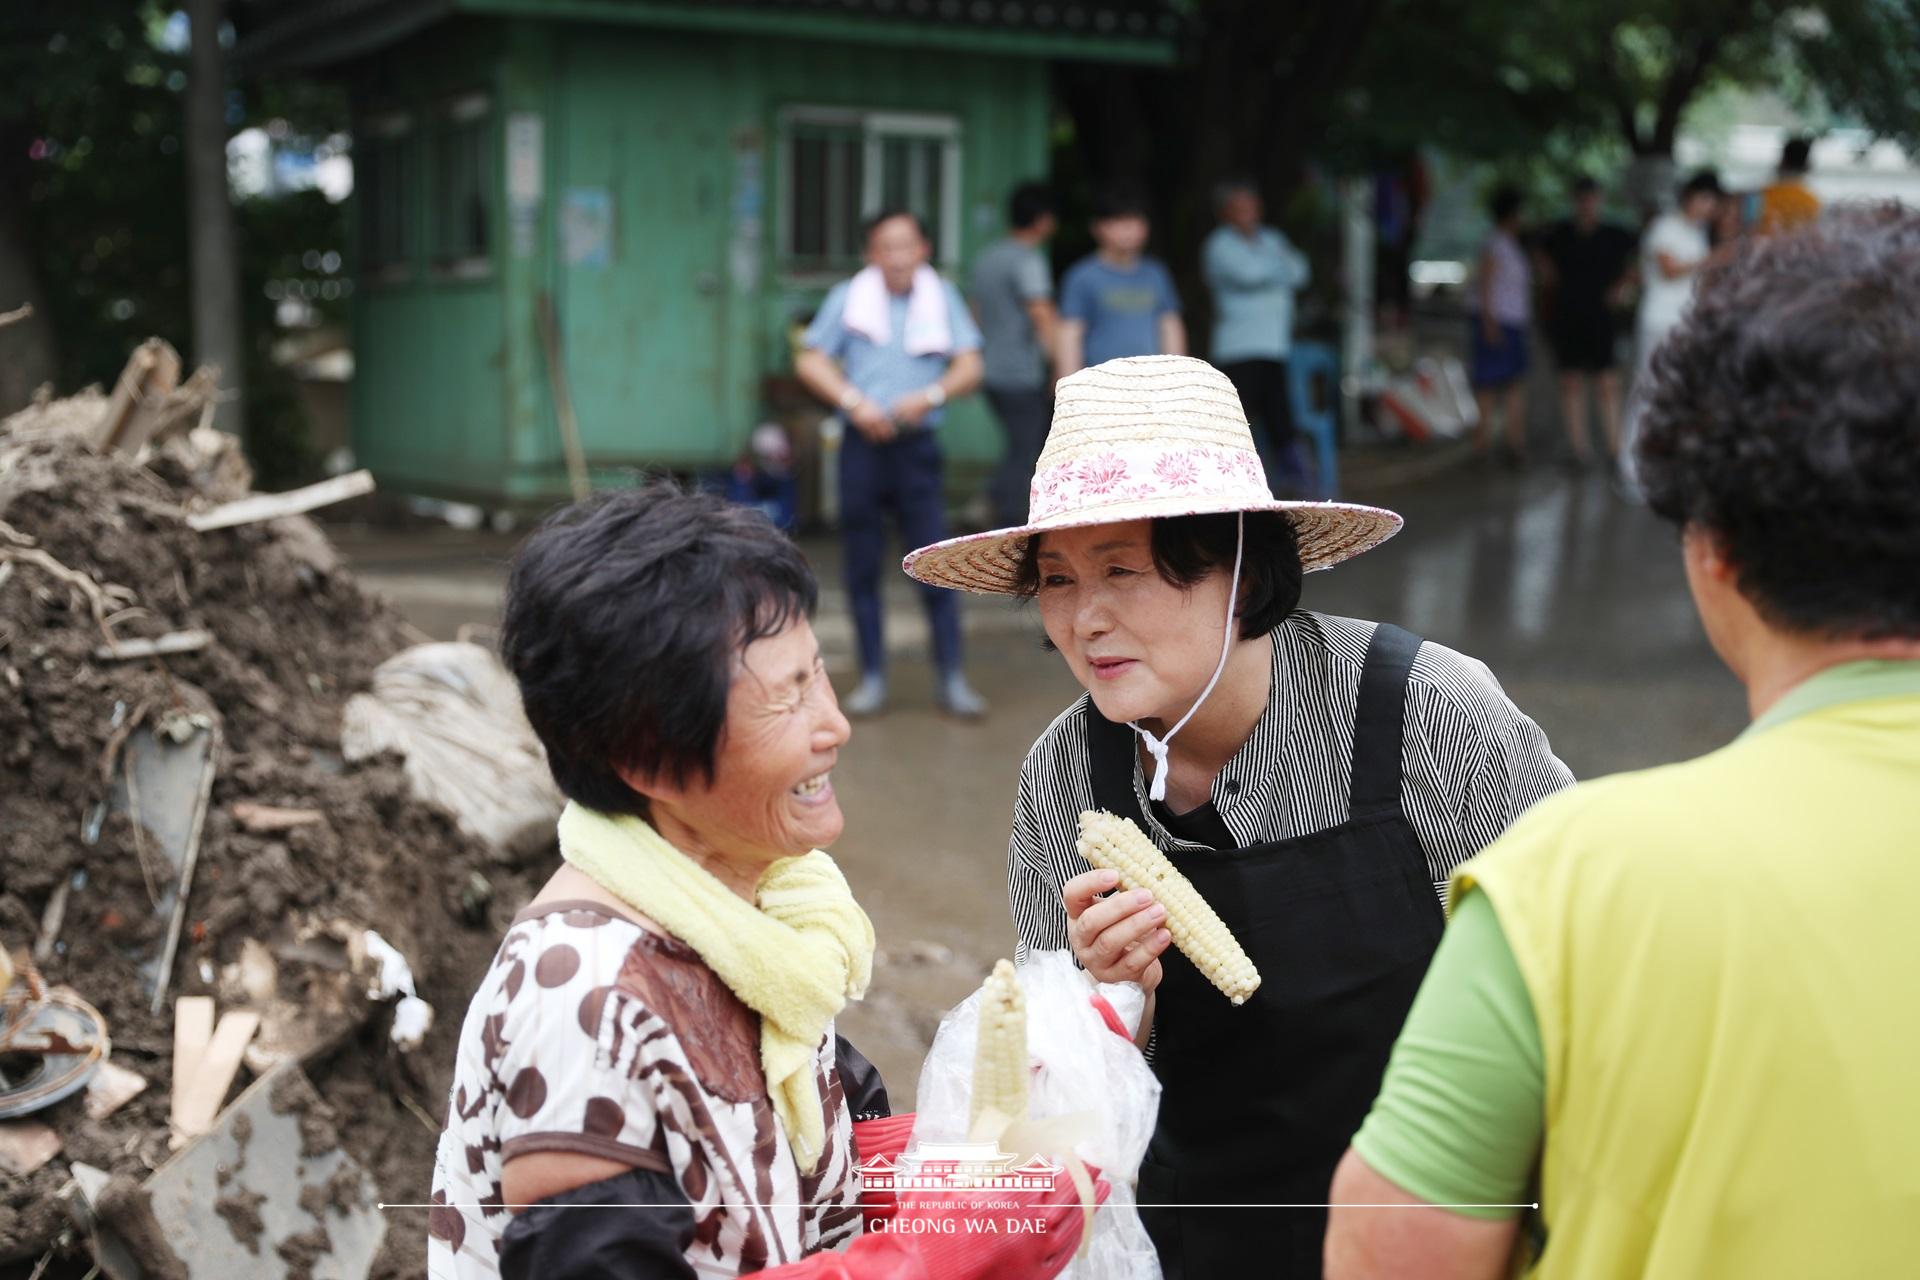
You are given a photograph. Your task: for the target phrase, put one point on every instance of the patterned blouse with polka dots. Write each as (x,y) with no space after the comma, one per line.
(590,1034)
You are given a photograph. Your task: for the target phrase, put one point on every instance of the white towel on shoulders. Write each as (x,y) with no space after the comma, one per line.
(929,326)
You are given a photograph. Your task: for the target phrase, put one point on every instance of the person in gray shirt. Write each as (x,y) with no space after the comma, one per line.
(1012,294)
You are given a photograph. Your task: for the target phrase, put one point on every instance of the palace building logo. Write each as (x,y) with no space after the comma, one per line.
(956,1166)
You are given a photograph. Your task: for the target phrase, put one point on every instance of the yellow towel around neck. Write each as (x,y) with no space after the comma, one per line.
(794,957)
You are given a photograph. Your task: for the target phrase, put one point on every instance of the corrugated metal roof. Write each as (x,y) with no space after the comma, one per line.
(1147,19)
(310,33)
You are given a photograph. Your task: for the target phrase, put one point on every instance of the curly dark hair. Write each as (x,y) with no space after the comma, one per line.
(1784,419)
(1188,548)
(624,616)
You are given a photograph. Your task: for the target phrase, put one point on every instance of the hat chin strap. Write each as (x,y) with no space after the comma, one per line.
(1157,747)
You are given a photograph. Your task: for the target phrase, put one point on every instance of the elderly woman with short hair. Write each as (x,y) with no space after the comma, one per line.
(648,1081)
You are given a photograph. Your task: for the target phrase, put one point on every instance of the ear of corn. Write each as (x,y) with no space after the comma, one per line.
(1000,1050)
(1116,843)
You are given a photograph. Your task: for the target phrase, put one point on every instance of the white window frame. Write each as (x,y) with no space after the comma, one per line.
(394,132)
(456,112)
(876,128)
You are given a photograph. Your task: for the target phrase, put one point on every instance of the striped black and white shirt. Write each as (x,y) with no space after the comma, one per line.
(1471,763)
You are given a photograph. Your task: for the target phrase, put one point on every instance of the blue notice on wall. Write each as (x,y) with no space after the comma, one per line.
(586,227)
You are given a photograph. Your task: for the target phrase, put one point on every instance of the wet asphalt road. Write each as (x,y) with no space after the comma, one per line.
(1575,599)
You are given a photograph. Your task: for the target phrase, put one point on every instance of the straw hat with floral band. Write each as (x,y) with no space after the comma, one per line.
(1143,438)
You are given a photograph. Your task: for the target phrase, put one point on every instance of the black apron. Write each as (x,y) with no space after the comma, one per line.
(1260,1101)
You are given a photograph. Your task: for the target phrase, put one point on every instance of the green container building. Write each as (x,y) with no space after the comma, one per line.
(674,184)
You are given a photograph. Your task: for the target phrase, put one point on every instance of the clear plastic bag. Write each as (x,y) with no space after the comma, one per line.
(1080,1070)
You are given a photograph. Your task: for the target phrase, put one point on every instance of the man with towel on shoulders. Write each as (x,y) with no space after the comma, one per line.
(889,348)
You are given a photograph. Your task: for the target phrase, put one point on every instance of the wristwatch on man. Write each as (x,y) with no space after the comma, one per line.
(936,395)
(850,398)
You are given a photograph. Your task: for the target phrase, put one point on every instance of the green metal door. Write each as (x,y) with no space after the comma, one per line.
(640,215)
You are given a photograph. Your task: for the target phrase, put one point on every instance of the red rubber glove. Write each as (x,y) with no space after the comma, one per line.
(886,1136)
(1109,1016)
(928,1241)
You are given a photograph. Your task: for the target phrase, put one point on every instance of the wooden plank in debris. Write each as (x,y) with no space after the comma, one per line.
(192,1030)
(562,397)
(195,1109)
(265,819)
(52,920)
(271,506)
(25,1145)
(157,647)
(139,398)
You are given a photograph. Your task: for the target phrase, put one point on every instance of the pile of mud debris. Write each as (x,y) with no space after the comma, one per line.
(135,636)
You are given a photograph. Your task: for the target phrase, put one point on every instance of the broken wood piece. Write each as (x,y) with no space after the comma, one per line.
(139,399)
(159,646)
(196,1106)
(52,920)
(112,1087)
(271,506)
(192,1031)
(557,384)
(276,1148)
(25,1145)
(265,819)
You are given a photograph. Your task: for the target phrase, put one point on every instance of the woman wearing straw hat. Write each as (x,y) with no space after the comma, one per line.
(1317,778)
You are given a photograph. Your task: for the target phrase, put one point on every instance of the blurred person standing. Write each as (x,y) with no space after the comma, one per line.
(1253,271)
(1588,262)
(1013,299)
(889,348)
(1676,245)
(1118,301)
(1502,310)
(1788,202)
(1676,1007)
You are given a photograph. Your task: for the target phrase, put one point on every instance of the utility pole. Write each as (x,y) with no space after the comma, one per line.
(219,336)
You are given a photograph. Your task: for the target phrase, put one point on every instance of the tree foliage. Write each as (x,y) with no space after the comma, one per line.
(92,123)
(1249,97)
(1866,64)
(93,199)
(1491,79)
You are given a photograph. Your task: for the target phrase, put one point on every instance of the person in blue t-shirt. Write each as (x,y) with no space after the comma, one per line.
(889,348)
(1117,301)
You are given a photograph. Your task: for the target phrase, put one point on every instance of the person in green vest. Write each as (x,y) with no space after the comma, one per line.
(1680,1009)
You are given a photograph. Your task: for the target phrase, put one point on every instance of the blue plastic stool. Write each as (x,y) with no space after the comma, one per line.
(1312,364)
